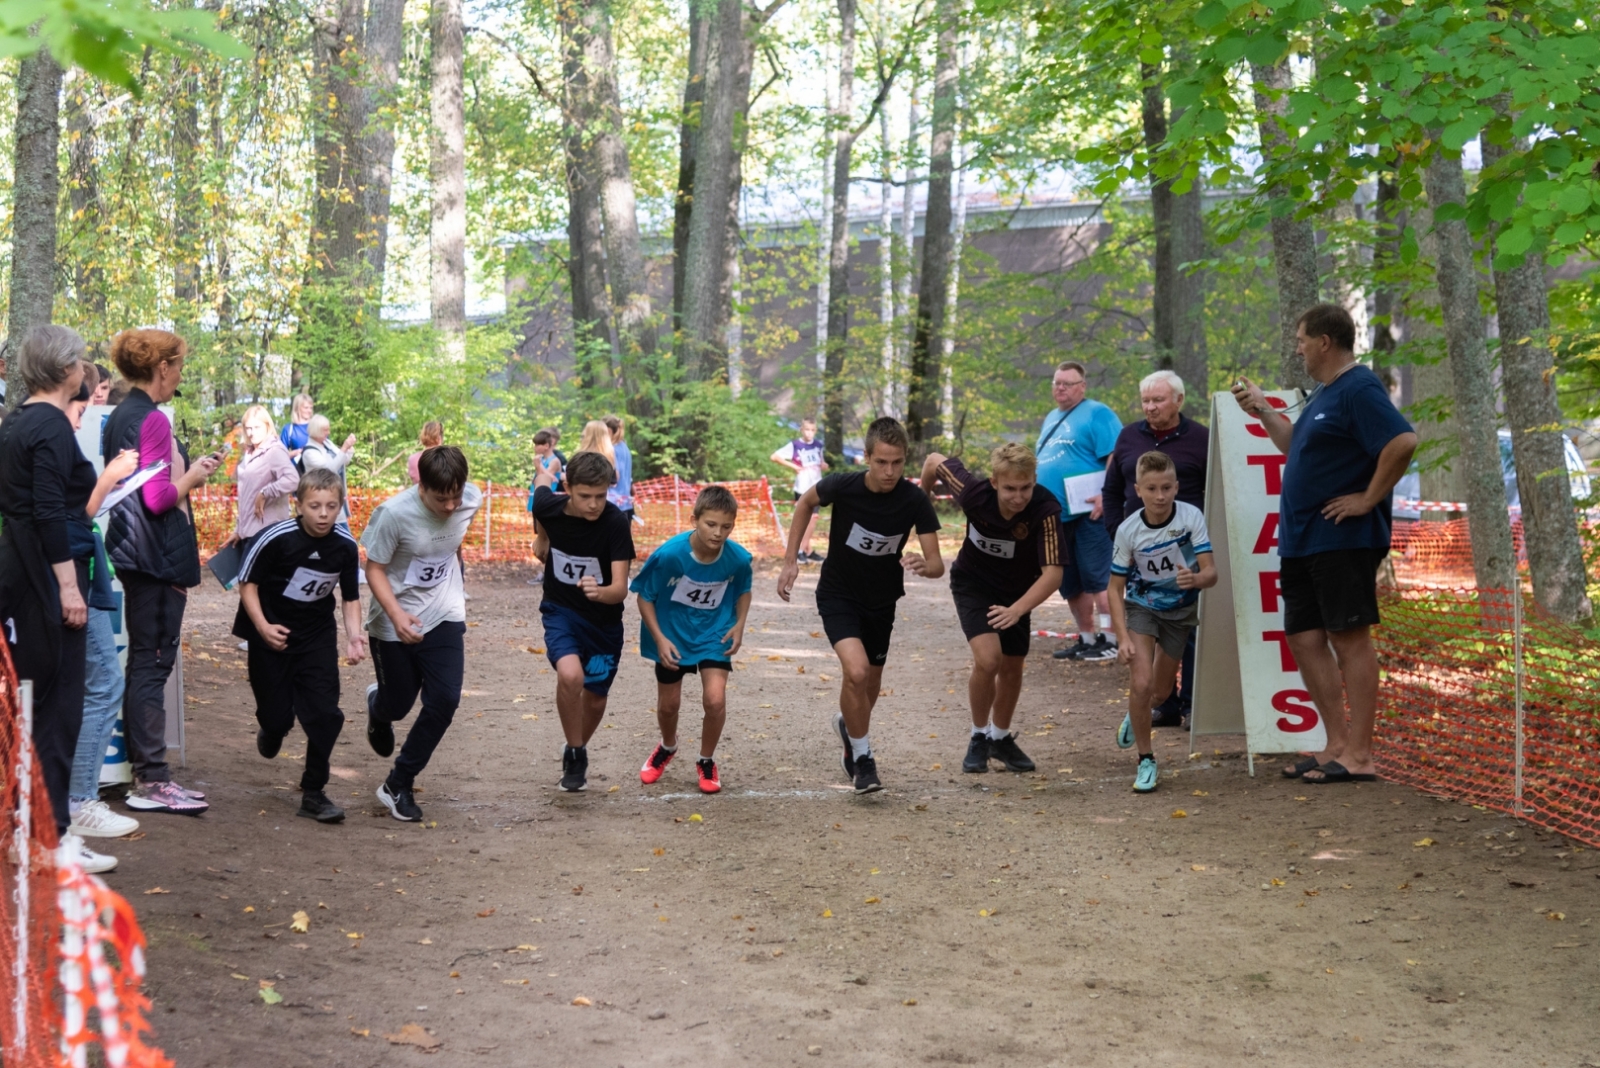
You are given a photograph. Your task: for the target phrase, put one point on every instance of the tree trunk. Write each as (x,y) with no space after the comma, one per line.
(1190,355)
(694,96)
(339,209)
(735,327)
(947,336)
(385,33)
(83,195)
(188,203)
(36,189)
(886,261)
(839,240)
(447,167)
(1389,223)
(1493,559)
(824,272)
(1294,241)
(1154,115)
(1549,521)
(593,346)
(906,268)
(923,423)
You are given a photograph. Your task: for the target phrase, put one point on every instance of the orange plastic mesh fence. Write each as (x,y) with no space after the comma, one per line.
(1448,699)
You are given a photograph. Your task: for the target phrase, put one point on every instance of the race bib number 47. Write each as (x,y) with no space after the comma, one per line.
(574,569)
(706,595)
(866,542)
(1000,547)
(1161,564)
(425,573)
(308,585)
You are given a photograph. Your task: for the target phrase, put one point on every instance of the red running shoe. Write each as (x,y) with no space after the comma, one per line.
(709,783)
(656,765)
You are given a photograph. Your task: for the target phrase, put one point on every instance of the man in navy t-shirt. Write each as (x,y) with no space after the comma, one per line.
(1346,452)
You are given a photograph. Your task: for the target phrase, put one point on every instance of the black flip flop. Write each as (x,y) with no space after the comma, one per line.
(1333,771)
(1300,767)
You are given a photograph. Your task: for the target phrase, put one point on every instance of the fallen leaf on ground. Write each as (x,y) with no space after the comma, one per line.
(1557,916)
(909,1001)
(269,995)
(582,1002)
(301,922)
(414,1035)
(1277,882)
(247,908)
(486,913)
(696,818)
(1179,814)
(363,1032)
(1197,793)
(236,975)
(1197,867)
(157,890)
(529,715)
(827,914)
(1423,843)
(426,942)
(657,852)
(872,901)
(354,934)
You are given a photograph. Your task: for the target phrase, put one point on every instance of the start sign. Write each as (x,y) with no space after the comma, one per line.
(1246,679)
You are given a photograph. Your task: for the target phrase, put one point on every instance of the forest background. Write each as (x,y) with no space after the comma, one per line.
(316,192)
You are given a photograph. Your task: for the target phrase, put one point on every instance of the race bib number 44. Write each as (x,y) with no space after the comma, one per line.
(1160,564)
(574,569)
(1000,547)
(706,595)
(866,542)
(308,585)
(428,572)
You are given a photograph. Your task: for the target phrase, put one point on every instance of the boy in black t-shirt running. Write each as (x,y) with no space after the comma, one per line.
(863,577)
(586,543)
(1009,564)
(285,615)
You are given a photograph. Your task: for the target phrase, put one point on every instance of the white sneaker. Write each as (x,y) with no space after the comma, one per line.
(244,647)
(97,820)
(73,849)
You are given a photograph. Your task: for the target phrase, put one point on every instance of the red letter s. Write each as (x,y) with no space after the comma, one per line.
(1298,713)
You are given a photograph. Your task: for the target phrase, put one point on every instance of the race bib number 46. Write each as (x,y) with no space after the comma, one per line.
(574,569)
(1000,547)
(865,541)
(1161,564)
(429,572)
(308,585)
(706,595)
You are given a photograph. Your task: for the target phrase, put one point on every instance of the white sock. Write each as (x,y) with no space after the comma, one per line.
(1086,637)
(707,758)
(74,806)
(980,732)
(860,747)
(1103,620)
(665,748)
(998,733)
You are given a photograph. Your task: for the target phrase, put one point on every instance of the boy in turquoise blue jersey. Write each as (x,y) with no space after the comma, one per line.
(694,599)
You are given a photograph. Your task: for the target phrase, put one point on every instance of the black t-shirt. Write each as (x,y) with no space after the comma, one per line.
(579,548)
(45,480)
(295,575)
(1004,556)
(867,536)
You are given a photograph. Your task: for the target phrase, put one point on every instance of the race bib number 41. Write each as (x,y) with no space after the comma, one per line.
(1161,564)
(308,585)
(429,572)
(866,542)
(574,569)
(1000,547)
(706,595)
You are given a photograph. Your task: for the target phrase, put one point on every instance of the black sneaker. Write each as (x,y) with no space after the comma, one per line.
(1008,752)
(268,744)
(1159,718)
(867,775)
(314,805)
(401,805)
(1072,650)
(574,769)
(817,558)
(1101,650)
(977,761)
(380,732)
(849,761)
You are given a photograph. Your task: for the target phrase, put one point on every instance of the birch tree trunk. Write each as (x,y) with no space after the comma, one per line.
(886,260)
(923,422)
(385,32)
(839,240)
(947,336)
(1432,387)
(83,197)
(1389,221)
(694,96)
(447,167)
(1294,241)
(1493,559)
(36,189)
(906,269)
(824,273)
(1549,521)
(735,329)
(187,202)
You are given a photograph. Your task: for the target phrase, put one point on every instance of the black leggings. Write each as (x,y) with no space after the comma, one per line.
(300,684)
(153,617)
(57,704)
(433,667)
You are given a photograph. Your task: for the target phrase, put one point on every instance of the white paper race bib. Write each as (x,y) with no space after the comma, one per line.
(574,569)
(1159,566)
(429,572)
(706,595)
(308,585)
(866,542)
(1005,550)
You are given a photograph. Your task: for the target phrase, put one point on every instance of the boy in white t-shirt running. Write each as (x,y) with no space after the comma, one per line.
(1160,561)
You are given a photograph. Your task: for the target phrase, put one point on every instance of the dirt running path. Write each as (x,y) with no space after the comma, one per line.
(1051,919)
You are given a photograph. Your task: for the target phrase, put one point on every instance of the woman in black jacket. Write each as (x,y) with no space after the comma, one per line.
(47,493)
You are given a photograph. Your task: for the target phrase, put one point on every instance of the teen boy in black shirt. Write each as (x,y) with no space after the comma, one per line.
(586,543)
(285,615)
(873,513)
(1009,564)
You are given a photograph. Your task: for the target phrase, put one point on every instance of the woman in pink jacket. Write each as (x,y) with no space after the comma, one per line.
(266,477)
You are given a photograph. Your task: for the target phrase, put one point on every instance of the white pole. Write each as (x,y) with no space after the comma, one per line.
(1516,652)
(21,839)
(488,515)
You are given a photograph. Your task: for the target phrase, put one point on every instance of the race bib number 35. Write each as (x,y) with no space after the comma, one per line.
(308,585)
(1000,547)
(706,595)
(574,569)
(866,542)
(429,572)
(1161,564)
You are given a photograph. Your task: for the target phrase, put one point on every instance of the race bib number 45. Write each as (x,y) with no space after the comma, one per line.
(866,542)
(706,595)
(308,585)
(1161,564)
(574,569)
(1000,547)
(429,572)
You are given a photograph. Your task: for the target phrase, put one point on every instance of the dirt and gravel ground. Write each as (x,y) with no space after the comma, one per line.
(1049,919)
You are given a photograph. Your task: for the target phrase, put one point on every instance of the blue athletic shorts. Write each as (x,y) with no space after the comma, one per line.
(599,647)
(1087,568)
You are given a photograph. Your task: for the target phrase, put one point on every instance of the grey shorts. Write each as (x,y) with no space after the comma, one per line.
(1170,629)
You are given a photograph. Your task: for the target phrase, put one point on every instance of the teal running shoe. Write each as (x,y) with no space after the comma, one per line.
(1125,732)
(1146,779)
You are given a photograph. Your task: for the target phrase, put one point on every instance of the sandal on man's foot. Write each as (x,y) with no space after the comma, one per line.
(1300,767)
(1333,771)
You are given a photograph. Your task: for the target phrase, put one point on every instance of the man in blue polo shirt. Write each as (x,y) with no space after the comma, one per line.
(1346,452)
(1074,445)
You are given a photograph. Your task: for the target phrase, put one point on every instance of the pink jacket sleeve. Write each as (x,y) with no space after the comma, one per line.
(285,479)
(155,445)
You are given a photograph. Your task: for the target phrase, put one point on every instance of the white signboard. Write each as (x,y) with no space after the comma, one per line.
(1246,679)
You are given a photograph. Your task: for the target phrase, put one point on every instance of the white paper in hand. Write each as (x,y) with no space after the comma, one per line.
(129,485)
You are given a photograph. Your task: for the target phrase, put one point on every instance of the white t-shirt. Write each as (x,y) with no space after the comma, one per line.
(1149,557)
(418,552)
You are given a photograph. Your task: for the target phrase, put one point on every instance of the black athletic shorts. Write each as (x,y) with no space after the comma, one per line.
(972,608)
(874,627)
(1334,590)
(667,676)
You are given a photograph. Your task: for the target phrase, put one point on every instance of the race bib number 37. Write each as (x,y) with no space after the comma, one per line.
(1000,547)
(866,542)
(429,572)
(574,569)
(706,595)
(308,585)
